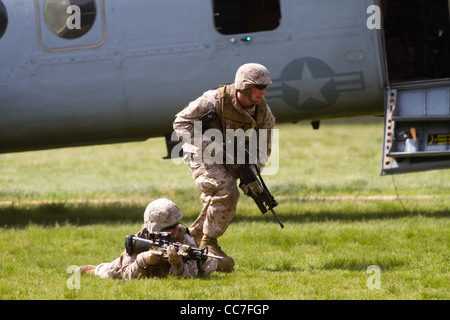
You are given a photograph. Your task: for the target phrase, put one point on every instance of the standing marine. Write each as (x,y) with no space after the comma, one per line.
(240,105)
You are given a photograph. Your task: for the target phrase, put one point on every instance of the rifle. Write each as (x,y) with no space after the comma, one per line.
(161,241)
(261,195)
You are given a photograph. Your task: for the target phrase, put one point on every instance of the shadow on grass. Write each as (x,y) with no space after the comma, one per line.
(350,216)
(20,215)
(66,213)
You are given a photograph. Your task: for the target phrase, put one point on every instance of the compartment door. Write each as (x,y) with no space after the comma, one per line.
(417,127)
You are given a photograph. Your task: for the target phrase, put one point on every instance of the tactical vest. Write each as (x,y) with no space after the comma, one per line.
(234,116)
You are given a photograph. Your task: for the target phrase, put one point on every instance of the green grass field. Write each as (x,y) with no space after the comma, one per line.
(70,207)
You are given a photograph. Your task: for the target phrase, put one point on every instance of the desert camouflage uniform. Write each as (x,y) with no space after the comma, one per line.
(220,193)
(161,214)
(129,267)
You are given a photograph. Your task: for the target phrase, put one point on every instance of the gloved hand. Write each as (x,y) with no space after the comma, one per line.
(148,258)
(174,257)
(251,188)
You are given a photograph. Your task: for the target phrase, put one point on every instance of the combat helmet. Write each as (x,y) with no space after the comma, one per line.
(160,214)
(251,74)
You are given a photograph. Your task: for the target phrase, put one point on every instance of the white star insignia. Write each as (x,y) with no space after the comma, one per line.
(308,86)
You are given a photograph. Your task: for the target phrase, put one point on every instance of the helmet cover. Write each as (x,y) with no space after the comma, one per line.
(160,214)
(251,74)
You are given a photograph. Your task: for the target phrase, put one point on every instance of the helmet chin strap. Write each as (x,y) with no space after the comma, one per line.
(248,94)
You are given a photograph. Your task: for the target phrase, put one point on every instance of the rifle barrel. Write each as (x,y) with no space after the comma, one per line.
(276,217)
(155,244)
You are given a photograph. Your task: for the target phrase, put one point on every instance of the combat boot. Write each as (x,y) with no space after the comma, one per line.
(88,269)
(225,265)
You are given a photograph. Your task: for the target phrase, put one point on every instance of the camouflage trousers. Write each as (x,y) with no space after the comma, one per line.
(220,195)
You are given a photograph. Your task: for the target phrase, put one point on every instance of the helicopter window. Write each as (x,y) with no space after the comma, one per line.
(70,18)
(3,19)
(237,16)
